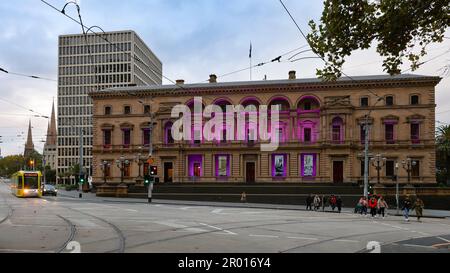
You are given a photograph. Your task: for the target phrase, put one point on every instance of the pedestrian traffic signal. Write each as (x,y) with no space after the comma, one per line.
(148,179)
(153,170)
(82,180)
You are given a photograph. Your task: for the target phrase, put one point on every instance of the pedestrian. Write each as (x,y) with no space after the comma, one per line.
(324,202)
(406,208)
(419,206)
(244,197)
(316,203)
(309,201)
(333,202)
(339,204)
(373,205)
(382,206)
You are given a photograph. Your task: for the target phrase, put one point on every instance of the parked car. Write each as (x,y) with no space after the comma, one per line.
(50,190)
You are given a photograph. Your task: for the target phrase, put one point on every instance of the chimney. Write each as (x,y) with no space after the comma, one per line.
(292,75)
(180,82)
(212,78)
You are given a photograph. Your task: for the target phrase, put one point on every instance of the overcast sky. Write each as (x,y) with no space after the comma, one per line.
(193,38)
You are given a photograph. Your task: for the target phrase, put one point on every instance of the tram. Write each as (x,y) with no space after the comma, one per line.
(26,184)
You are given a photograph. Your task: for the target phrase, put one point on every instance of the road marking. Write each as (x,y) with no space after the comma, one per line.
(179,226)
(131,210)
(264,236)
(345,241)
(221,229)
(24,251)
(443,239)
(304,238)
(186,208)
(424,234)
(409,245)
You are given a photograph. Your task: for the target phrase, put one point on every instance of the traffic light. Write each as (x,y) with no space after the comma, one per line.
(148,179)
(153,170)
(81,179)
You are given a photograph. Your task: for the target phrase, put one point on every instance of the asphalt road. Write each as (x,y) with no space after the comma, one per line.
(62,224)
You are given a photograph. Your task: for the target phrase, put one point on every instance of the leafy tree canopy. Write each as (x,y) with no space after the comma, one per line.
(401,29)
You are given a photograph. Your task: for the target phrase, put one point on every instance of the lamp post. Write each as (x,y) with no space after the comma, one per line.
(397,197)
(140,161)
(408,165)
(378,162)
(105,165)
(122,163)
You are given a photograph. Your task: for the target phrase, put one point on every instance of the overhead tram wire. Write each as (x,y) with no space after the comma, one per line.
(27,76)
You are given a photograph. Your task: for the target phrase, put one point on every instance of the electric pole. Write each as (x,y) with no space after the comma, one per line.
(366,157)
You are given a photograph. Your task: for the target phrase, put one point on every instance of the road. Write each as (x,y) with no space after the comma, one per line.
(49,224)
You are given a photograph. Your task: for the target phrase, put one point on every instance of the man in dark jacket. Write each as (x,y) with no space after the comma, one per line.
(309,201)
(406,208)
(339,204)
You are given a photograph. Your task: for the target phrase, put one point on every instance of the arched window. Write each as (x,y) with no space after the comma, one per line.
(282,103)
(337,127)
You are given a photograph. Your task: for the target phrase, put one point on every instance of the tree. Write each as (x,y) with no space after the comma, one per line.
(443,151)
(11,164)
(401,29)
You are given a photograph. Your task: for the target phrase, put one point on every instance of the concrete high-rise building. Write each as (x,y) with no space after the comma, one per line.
(88,64)
(50,148)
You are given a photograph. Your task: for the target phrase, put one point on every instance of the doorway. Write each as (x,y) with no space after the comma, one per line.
(250,172)
(168,172)
(338,172)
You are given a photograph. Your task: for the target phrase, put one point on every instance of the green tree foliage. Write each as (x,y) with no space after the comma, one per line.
(401,29)
(443,154)
(11,164)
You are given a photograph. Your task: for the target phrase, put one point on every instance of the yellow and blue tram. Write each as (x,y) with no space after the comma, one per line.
(26,184)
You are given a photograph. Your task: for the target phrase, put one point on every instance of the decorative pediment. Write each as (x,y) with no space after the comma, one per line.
(390,118)
(167,107)
(337,101)
(363,120)
(107,126)
(126,125)
(415,118)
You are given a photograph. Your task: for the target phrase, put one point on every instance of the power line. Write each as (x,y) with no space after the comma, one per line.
(27,76)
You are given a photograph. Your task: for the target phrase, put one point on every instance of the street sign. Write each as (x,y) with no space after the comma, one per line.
(151,160)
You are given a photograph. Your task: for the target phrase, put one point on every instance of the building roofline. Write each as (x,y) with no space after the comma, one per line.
(307,82)
(107,32)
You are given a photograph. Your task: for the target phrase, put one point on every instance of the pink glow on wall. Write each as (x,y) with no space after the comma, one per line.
(311,124)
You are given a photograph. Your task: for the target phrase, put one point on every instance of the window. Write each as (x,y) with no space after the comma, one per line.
(146,137)
(307,135)
(390,168)
(365,102)
(389,133)
(362,168)
(362,134)
(127,170)
(389,100)
(126,138)
(127,110)
(307,106)
(414,100)
(416,169)
(107,138)
(336,130)
(415,133)
(147,109)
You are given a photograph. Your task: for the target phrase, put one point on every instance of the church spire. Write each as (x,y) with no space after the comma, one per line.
(29,145)
(51,131)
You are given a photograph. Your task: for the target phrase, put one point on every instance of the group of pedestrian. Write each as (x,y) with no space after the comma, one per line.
(316,202)
(378,207)
(376,204)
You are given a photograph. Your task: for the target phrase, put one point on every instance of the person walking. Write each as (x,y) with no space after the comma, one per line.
(333,202)
(373,205)
(406,207)
(382,206)
(339,204)
(309,201)
(324,202)
(419,206)
(316,203)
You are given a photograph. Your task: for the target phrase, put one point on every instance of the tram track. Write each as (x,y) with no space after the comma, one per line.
(73,231)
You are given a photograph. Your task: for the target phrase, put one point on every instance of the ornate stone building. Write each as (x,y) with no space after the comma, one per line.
(29,145)
(321,131)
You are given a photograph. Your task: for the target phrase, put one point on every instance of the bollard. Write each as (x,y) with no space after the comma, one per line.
(80,195)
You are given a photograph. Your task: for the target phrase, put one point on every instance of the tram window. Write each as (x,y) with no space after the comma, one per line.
(31,182)
(19,182)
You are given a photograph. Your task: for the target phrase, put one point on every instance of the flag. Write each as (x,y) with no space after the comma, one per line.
(250,54)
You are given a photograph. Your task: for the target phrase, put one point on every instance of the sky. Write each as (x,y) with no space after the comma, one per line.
(193,39)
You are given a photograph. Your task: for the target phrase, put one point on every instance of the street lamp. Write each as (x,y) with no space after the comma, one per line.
(104,166)
(408,166)
(397,197)
(140,159)
(122,163)
(378,162)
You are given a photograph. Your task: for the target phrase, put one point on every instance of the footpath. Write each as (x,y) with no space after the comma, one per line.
(94,198)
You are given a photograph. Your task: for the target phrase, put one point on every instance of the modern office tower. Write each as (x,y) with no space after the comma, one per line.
(91,63)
